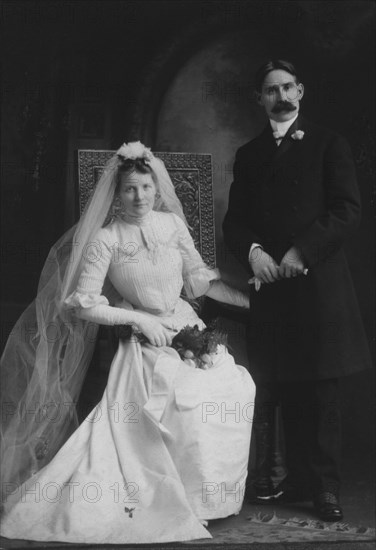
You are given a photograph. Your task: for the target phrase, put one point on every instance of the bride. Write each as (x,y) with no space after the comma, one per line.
(166,449)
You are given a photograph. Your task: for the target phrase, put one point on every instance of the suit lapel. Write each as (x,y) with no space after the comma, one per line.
(267,144)
(287,142)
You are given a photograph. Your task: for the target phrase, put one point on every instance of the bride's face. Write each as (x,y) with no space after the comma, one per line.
(137,193)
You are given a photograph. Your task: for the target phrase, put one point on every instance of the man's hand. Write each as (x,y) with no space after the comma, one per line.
(263,266)
(291,264)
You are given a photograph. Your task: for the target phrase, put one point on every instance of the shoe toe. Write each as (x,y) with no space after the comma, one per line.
(330,514)
(328,507)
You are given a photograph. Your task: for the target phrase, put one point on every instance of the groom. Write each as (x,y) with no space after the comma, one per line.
(293,203)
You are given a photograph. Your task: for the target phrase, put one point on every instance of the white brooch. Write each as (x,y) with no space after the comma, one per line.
(134,150)
(298,135)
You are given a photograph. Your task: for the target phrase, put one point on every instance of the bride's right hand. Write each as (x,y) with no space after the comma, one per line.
(158,333)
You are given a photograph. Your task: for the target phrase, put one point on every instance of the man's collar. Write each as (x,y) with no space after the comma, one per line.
(282,127)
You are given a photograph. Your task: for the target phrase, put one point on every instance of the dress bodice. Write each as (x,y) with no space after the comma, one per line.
(148,262)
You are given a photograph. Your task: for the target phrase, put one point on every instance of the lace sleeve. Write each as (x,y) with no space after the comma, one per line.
(197,275)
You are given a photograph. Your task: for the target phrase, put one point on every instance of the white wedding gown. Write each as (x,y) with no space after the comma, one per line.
(168,444)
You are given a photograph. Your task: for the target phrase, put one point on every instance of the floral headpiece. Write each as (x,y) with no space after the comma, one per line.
(134,150)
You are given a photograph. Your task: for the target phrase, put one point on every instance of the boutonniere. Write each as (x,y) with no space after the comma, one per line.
(298,135)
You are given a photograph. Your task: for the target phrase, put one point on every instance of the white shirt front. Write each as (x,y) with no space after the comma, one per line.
(282,127)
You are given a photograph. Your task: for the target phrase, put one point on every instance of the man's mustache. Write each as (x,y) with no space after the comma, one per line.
(283,106)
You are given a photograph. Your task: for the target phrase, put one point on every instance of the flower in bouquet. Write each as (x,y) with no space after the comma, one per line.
(196,347)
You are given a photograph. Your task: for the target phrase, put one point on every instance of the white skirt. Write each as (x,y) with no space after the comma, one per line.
(166,448)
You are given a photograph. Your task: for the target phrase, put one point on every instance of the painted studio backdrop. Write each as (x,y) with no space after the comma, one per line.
(177,75)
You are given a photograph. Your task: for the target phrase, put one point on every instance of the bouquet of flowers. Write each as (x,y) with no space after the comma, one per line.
(196,346)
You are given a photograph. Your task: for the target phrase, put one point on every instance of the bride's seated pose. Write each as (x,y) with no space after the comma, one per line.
(166,449)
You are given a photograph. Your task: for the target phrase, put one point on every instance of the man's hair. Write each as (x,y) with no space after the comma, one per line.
(274,65)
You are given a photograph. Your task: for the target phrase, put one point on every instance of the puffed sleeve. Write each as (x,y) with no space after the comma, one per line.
(97,258)
(88,300)
(197,276)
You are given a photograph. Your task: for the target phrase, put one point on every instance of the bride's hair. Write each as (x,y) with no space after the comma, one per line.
(133,165)
(130,166)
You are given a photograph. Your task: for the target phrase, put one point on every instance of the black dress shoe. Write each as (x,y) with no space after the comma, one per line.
(327,507)
(265,493)
(288,492)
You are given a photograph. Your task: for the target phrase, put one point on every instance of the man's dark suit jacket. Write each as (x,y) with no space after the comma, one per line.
(302,193)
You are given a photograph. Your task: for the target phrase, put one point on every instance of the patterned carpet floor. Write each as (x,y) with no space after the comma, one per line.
(282,527)
(269,528)
(260,530)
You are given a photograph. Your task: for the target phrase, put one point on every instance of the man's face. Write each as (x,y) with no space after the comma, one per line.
(280,95)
